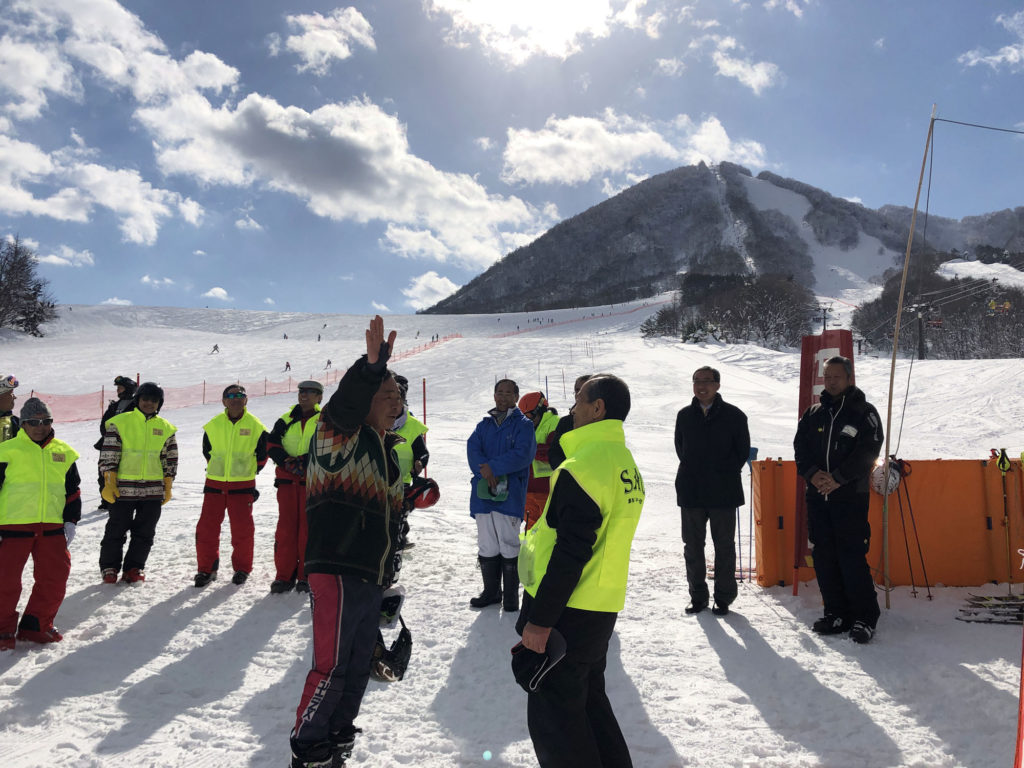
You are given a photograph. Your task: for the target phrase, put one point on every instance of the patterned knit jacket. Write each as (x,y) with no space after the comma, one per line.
(354,491)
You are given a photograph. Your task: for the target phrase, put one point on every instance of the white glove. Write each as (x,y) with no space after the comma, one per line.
(69,532)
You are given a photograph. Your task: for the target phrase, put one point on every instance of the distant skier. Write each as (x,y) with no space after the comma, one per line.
(215,349)
(328,363)
(287,365)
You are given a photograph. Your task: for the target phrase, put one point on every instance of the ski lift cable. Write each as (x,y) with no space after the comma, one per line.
(978,125)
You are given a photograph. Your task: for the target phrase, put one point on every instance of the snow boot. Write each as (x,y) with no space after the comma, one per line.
(133,576)
(830,624)
(510,583)
(203,578)
(344,742)
(109,575)
(239,578)
(490,569)
(861,632)
(302,586)
(280,586)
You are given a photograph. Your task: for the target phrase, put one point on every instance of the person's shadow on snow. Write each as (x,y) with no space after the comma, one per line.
(480,704)
(791,699)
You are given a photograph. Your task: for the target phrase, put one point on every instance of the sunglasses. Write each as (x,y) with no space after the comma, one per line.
(309,391)
(37,422)
(234,395)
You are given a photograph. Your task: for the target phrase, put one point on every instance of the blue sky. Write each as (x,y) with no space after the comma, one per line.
(361,157)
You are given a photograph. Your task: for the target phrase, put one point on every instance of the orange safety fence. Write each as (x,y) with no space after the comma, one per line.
(969,532)
(91,405)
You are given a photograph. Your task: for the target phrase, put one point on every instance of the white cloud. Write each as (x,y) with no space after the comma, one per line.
(428,289)
(757,76)
(796,7)
(1009,56)
(379,307)
(517,31)
(347,278)
(217,293)
(575,149)
(28,71)
(156,282)
(323,39)
(484,143)
(117,302)
(68,257)
(248,223)
(880,43)
(670,67)
(269,301)
(198,252)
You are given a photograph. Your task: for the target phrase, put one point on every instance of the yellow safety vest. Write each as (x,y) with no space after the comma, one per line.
(142,441)
(33,489)
(233,447)
(5,428)
(547,425)
(296,440)
(597,458)
(412,429)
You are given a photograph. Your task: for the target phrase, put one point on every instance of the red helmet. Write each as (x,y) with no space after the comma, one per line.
(533,401)
(423,493)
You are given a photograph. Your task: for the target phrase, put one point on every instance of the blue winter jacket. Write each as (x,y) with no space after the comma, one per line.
(508,448)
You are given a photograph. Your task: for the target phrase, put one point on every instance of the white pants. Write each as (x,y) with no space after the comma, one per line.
(497,534)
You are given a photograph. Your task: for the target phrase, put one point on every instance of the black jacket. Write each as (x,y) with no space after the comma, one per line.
(555,453)
(840,435)
(712,449)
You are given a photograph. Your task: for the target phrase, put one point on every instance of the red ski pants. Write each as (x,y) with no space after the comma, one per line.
(292,532)
(51,566)
(243,531)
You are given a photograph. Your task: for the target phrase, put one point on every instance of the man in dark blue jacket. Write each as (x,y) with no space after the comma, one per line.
(836,444)
(713,444)
(500,451)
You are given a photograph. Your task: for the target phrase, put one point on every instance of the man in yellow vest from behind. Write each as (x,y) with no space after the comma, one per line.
(235,448)
(8,421)
(138,461)
(40,505)
(574,564)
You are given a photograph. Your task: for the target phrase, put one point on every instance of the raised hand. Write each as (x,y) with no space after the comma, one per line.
(375,339)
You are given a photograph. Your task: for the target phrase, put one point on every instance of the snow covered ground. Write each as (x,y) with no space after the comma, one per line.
(163,674)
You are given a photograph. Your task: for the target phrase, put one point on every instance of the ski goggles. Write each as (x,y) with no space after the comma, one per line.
(37,422)
(7,384)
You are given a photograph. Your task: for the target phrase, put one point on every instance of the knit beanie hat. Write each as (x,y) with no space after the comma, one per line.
(34,408)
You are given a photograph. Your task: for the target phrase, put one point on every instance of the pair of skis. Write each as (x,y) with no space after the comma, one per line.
(993,609)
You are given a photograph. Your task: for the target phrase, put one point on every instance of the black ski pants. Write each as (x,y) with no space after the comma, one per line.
(723,534)
(571,721)
(138,517)
(840,537)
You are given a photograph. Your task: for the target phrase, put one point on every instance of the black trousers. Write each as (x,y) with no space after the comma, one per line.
(723,534)
(840,536)
(570,718)
(138,517)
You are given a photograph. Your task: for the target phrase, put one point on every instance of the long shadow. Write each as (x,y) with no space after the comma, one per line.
(789,698)
(647,745)
(271,712)
(113,659)
(939,669)
(480,704)
(204,675)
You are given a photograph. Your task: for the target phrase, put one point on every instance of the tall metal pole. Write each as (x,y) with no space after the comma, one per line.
(892,367)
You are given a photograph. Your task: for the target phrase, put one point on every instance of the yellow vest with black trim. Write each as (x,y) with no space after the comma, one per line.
(296,439)
(412,429)
(548,422)
(33,489)
(6,427)
(233,447)
(142,441)
(597,458)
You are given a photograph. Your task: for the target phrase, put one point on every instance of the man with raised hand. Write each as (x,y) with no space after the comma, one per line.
(574,565)
(354,500)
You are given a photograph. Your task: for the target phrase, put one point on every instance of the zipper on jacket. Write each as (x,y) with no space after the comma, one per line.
(828,445)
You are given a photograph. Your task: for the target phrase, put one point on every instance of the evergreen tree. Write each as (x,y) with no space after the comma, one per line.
(25,302)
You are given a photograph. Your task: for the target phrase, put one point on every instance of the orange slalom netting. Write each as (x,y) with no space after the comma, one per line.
(91,405)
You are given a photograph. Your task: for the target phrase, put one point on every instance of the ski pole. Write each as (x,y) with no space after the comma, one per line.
(1004,466)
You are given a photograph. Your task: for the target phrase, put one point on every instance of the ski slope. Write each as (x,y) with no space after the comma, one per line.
(165,675)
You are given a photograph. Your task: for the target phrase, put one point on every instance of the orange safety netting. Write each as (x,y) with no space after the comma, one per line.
(91,405)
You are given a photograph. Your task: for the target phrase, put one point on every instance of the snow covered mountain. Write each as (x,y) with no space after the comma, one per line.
(164,675)
(717,220)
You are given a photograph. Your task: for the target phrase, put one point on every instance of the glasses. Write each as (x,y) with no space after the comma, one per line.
(309,391)
(37,422)
(234,395)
